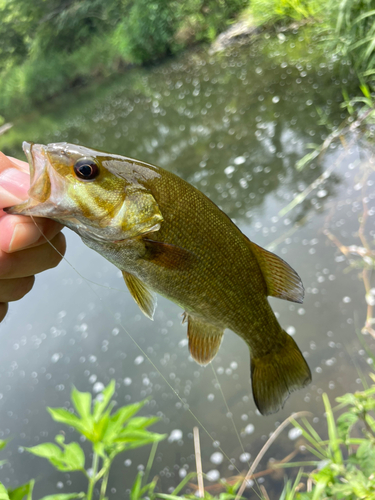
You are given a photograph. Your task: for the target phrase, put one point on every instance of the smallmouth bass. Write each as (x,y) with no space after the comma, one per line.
(168,237)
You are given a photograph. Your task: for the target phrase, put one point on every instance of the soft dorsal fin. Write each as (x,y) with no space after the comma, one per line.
(281,280)
(143,296)
(204,339)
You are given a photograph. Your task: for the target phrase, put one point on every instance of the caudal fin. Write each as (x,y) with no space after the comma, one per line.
(277,374)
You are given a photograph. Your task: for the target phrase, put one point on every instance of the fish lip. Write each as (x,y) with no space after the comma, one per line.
(27,147)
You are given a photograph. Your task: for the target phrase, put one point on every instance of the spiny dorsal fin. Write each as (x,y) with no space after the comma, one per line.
(204,339)
(141,294)
(282,281)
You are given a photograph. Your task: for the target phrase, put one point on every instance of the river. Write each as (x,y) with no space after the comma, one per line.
(233,124)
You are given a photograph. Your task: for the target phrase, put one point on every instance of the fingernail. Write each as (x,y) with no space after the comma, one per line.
(24,235)
(8,199)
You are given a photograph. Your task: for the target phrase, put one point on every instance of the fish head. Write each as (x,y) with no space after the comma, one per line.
(99,196)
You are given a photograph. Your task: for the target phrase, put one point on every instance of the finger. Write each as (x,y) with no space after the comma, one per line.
(14,186)
(21,165)
(32,260)
(10,162)
(15,289)
(18,232)
(3,310)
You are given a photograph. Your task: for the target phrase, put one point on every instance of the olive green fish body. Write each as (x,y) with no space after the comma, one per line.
(168,237)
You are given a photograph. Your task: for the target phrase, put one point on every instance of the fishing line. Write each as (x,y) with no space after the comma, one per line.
(230,414)
(184,405)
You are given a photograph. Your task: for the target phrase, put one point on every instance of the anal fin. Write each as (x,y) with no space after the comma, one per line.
(143,296)
(204,339)
(282,281)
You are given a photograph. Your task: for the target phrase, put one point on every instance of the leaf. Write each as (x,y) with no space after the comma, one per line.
(142,422)
(332,431)
(344,423)
(74,456)
(82,403)
(64,496)
(117,420)
(20,492)
(65,417)
(3,492)
(135,491)
(99,406)
(3,443)
(69,459)
(46,450)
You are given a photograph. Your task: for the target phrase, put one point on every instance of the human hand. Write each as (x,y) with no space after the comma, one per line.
(24,250)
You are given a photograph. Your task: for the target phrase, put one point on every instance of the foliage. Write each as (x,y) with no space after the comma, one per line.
(345,464)
(110,433)
(354,34)
(267,12)
(48,46)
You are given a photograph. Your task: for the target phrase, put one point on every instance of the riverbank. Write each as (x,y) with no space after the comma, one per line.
(55,52)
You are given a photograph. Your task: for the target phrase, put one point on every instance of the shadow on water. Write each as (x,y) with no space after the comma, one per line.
(234,125)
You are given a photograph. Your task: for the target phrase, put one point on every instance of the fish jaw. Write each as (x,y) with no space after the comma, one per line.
(40,202)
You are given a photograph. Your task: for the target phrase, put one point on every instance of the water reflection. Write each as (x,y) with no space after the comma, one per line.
(234,125)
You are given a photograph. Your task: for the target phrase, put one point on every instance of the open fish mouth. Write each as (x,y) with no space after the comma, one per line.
(40,183)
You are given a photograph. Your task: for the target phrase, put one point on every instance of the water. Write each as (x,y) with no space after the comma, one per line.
(234,125)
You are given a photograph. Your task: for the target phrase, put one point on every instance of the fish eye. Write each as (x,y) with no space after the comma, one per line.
(86,169)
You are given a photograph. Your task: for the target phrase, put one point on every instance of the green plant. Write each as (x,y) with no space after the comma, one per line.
(354,36)
(345,464)
(110,433)
(284,11)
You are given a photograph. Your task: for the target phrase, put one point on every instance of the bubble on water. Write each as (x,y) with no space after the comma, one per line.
(146,381)
(245,457)
(127,381)
(139,360)
(229,170)
(210,397)
(239,160)
(182,473)
(370,298)
(321,193)
(183,342)
(92,378)
(98,387)
(258,71)
(60,485)
(346,300)
(127,462)
(55,357)
(217,458)
(213,475)
(301,311)
(294,433)
(291,330)
(249,429)
(175,435)
(275,99)
(234,365)
(92,358)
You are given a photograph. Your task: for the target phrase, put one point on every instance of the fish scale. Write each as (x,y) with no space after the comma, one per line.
(168,238)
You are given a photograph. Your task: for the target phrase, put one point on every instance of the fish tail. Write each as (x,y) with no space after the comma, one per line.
(275,375)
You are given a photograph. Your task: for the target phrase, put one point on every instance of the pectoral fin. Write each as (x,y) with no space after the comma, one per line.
(282,281)
(143,296)
(167,255)
(204,339)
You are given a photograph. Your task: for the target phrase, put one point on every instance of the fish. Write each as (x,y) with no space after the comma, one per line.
(168,238)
